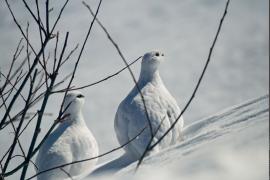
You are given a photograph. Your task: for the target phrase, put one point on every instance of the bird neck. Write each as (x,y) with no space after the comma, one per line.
(74,117)
(149,75)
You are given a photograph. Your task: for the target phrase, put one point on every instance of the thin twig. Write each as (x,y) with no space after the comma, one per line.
(19,126)
(126,64)
(15,56)
(5,154)
(38,21)
(13,86)
(24,157)
(70,54)
(35,62)
(19,26)
(40,113)
(9,92)
(55,51)
(41,41)
(59,16)
(81,51)
(101,80)
(47,17)
(149,147)
(69,176)
(20,146)
(37,99)
(92,158)
(31,152)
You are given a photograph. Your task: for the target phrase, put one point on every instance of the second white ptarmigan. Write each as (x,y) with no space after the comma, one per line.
(162,108)
(71,141)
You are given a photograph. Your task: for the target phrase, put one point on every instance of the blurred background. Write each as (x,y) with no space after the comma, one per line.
(183,30)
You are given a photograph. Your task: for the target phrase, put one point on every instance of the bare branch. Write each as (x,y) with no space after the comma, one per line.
(70,54)
(149,147)
(59,15)
(55,50)
(19,26)
(35,62)
(37,99)
(13,86)
(101,80)
(19,67)
(41,41)
(19,126)
(24,157)
(40,113)
(9,92)
(125,62)
(81,51)
(38,21)
(47,16)
(89,159)
(69,176)
(15,56)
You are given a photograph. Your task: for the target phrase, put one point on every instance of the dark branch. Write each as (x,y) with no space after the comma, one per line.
(149,147)
(101,80)
(126,64)
(89,159)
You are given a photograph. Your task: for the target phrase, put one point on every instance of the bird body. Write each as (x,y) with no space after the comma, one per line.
(71,141)
(161,107)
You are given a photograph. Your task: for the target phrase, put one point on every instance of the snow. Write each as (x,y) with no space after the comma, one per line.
(232,144)
(183,30)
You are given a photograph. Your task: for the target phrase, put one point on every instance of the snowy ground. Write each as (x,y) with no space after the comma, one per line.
(231,145)
(184,30)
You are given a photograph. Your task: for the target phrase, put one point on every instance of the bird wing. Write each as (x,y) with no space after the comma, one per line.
(121,125)
(128,124)
(160,123)
(51,159)
(131,119)
(55,151)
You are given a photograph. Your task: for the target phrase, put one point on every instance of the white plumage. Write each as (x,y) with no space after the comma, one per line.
(130,118)
(71,141)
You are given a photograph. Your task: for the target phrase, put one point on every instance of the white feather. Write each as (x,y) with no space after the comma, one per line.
(71,141)
(131,118)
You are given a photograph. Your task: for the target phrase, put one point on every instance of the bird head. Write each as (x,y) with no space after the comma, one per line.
(151,60)
(73,102)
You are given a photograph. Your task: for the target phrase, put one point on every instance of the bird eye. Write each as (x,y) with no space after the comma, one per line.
(157,54)
(80,96)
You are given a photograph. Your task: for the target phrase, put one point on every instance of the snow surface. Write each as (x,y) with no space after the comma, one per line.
(183,30)
(232,144)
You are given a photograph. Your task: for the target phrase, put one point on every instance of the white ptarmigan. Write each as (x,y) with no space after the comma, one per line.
(71,141)
(131,118)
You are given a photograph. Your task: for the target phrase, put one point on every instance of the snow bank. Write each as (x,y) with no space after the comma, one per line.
(232,144)
(184,30)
